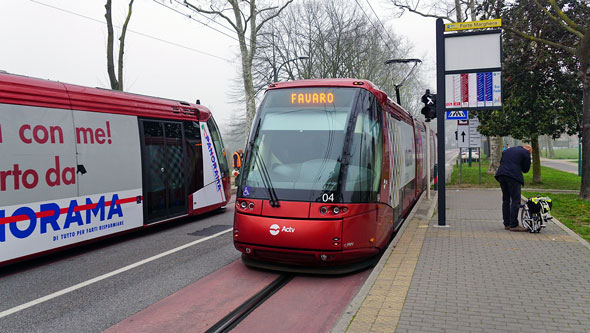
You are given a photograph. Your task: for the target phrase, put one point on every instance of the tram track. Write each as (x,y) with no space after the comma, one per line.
(230,321)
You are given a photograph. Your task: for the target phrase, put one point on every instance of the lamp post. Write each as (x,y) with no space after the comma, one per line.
(276,70)
(402,61)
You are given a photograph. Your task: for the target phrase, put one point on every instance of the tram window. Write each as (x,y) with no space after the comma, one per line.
(192,137)
(219,148)
(364,170)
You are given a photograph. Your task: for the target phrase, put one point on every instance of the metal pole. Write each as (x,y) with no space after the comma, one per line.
(397,97)
(479,151)
(460,166)
(427,160)
(440,123)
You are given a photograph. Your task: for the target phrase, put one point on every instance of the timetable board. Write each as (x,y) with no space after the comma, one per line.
(473,90)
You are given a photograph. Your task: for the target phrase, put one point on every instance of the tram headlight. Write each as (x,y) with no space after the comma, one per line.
(336,210)
(323,210)
(243,204)
(251,206)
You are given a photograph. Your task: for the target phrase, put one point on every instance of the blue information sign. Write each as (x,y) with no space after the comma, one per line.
(457,115)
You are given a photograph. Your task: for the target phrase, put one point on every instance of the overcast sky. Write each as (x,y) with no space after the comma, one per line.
(166,54)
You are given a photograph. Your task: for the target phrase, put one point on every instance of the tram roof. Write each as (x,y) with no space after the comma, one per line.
(25,90)
(365,84)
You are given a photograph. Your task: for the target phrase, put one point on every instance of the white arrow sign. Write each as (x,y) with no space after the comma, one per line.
(463,136)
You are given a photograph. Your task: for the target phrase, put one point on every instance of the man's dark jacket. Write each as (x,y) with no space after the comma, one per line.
(515,161)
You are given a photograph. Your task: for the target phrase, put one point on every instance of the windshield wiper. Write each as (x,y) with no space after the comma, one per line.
(273,199)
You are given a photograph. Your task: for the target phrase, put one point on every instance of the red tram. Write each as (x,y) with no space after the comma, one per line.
(80,164)
(332,168)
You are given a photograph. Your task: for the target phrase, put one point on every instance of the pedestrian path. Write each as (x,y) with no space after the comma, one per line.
(562,165)
(474,276)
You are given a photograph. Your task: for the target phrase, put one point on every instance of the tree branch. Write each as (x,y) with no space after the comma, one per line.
(122,45)
(570,50)
(558,19)
(211,12)
(110,58)
(272,16)
(411,10)
(567,20)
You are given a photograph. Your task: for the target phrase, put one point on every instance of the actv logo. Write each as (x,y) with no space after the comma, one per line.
(275,229)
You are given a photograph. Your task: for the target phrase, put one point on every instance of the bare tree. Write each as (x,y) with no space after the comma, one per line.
(116,80)
(451,11)
(339,41)
(247,19)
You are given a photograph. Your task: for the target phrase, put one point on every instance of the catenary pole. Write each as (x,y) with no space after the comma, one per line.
(440,115)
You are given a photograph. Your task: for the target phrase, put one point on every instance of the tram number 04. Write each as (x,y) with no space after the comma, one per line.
(328,197)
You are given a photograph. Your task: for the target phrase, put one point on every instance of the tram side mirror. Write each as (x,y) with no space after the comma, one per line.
(81,169)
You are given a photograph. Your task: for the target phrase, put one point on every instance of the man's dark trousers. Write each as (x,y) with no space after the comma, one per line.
(510,200)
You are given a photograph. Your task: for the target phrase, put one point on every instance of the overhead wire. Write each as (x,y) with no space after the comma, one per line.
(371,21)
(380,22)
(194,19)
(132,31)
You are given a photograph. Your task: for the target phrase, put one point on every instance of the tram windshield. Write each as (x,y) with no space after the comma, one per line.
(299,143)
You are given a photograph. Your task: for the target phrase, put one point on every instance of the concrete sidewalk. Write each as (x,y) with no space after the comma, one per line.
(474,276)
(562,165)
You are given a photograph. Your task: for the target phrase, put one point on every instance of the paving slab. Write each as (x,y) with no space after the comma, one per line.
(474,276)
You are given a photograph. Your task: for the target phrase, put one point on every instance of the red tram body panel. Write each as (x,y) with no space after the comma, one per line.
(332,168)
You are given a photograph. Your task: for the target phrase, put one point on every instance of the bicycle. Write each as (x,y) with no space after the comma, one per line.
(535,213)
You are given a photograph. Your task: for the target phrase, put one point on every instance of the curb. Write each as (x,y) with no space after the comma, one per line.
(564,228)
(360,296)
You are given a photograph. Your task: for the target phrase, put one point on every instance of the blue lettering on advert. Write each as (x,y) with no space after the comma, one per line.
(99,209)
(50,213)
(28,231)
(51,219)
(115,209)
(2,228)
(73,216)
(213,161)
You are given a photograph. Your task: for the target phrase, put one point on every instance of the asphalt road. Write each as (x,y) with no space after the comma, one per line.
(100,305)
(560,165)
(450,157)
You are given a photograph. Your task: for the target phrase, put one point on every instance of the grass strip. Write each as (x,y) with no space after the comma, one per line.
(550,178)
(573,212)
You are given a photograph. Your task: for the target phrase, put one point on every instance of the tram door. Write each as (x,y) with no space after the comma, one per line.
(164,170)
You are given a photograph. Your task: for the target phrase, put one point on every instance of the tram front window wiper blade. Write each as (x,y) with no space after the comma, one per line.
(273,199)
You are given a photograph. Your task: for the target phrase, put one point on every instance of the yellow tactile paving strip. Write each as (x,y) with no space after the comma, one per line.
(383,305)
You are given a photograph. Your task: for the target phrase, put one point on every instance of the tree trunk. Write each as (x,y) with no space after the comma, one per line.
(550,145)
(536,160)
(458,10)
(110,39)
(495,154)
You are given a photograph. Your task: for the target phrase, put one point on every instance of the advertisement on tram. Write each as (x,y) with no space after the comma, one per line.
(62,154)
(79,164)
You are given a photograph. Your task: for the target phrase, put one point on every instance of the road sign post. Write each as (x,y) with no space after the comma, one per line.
(440,124)
(468,77)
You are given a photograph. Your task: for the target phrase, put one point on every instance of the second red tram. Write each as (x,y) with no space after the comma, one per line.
(78,164)
(332,168)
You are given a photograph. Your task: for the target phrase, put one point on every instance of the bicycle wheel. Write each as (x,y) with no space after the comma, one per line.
(526,219)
